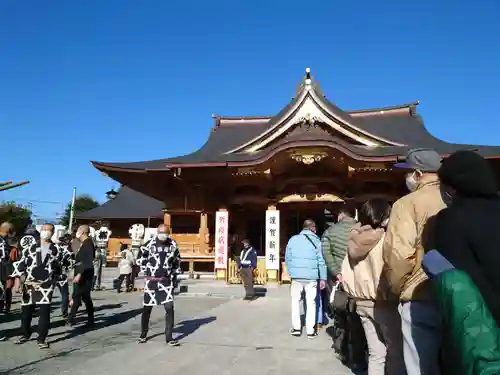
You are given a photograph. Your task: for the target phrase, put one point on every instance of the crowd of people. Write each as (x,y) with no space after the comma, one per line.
(413,284)
(40,266)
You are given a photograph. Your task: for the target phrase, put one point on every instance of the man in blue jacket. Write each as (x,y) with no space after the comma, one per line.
(306,267)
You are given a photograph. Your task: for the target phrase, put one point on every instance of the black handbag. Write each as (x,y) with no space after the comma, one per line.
(340,300)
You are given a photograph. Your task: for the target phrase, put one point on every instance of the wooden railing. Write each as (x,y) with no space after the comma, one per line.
(197,259)
(260,273)
(187,248)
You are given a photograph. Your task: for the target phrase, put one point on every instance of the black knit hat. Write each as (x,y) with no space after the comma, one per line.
(469,174)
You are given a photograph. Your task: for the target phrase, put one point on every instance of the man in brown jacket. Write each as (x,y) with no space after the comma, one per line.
(403,252)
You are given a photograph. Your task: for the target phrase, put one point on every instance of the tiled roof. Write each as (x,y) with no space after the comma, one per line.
(128,204)
(399,125)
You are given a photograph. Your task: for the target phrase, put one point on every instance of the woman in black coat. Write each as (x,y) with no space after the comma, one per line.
(467,232)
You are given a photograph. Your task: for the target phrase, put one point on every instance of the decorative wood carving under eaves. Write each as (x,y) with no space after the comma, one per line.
(308,129)
(308,157)
(294,198)
(251,172)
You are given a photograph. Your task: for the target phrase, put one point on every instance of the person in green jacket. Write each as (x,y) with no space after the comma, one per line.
(334,241)
(471,341)
(334,247)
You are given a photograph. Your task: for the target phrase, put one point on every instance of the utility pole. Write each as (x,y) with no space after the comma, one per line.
(72,212)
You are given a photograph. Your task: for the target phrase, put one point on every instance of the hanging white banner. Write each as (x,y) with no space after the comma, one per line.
(221,239)
(272,240)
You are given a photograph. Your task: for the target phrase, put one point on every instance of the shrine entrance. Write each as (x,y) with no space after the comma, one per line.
(294,214)
(294,217)
(270,237)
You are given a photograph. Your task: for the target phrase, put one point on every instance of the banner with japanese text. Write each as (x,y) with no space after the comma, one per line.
(221,239)
(272,240)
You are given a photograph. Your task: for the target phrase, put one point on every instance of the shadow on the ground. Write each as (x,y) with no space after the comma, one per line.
(330,331)
(81,317)
(11,316)
(108,321)
(60,354)
(260,291)
(188,327)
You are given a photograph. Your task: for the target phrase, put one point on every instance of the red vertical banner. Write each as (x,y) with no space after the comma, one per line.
(221,239)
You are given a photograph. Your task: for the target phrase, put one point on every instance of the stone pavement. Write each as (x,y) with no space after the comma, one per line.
(218,336)
(203,287)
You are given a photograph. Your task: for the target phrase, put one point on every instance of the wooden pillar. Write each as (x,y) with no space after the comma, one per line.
(204,234)
(167,220)
(283,242)
(272,246)
(221,235)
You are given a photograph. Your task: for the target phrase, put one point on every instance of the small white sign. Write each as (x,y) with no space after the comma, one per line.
(272,240)
(221,239)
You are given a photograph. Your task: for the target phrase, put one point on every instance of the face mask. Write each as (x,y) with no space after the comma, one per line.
(45,234)
(162,237)
(411,182)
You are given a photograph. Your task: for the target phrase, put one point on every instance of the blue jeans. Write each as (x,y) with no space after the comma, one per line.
(320,313)
(421,328)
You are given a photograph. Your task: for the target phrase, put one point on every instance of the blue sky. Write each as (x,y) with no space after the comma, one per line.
(123,80)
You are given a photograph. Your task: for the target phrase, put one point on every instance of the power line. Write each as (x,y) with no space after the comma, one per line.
(37,201)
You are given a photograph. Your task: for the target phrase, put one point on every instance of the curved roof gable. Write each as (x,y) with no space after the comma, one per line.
(311,106)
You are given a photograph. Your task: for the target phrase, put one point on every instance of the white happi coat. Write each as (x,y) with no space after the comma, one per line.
(160,263)
(40,274)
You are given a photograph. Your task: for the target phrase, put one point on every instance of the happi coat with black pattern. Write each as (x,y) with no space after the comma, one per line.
(160,262)
(4,258)
(67,263)
(40,274)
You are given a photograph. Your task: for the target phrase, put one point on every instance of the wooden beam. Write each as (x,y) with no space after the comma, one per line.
(167,220)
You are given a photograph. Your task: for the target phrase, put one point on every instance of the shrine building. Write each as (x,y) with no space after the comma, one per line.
(123,209)
(260,177)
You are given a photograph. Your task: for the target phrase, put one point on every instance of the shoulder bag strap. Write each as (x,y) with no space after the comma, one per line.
(312,243)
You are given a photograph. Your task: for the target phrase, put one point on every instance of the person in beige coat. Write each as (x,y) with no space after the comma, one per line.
(125,266)
(361,273)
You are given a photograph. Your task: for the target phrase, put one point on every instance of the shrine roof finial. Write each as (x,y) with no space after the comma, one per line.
(308,79)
